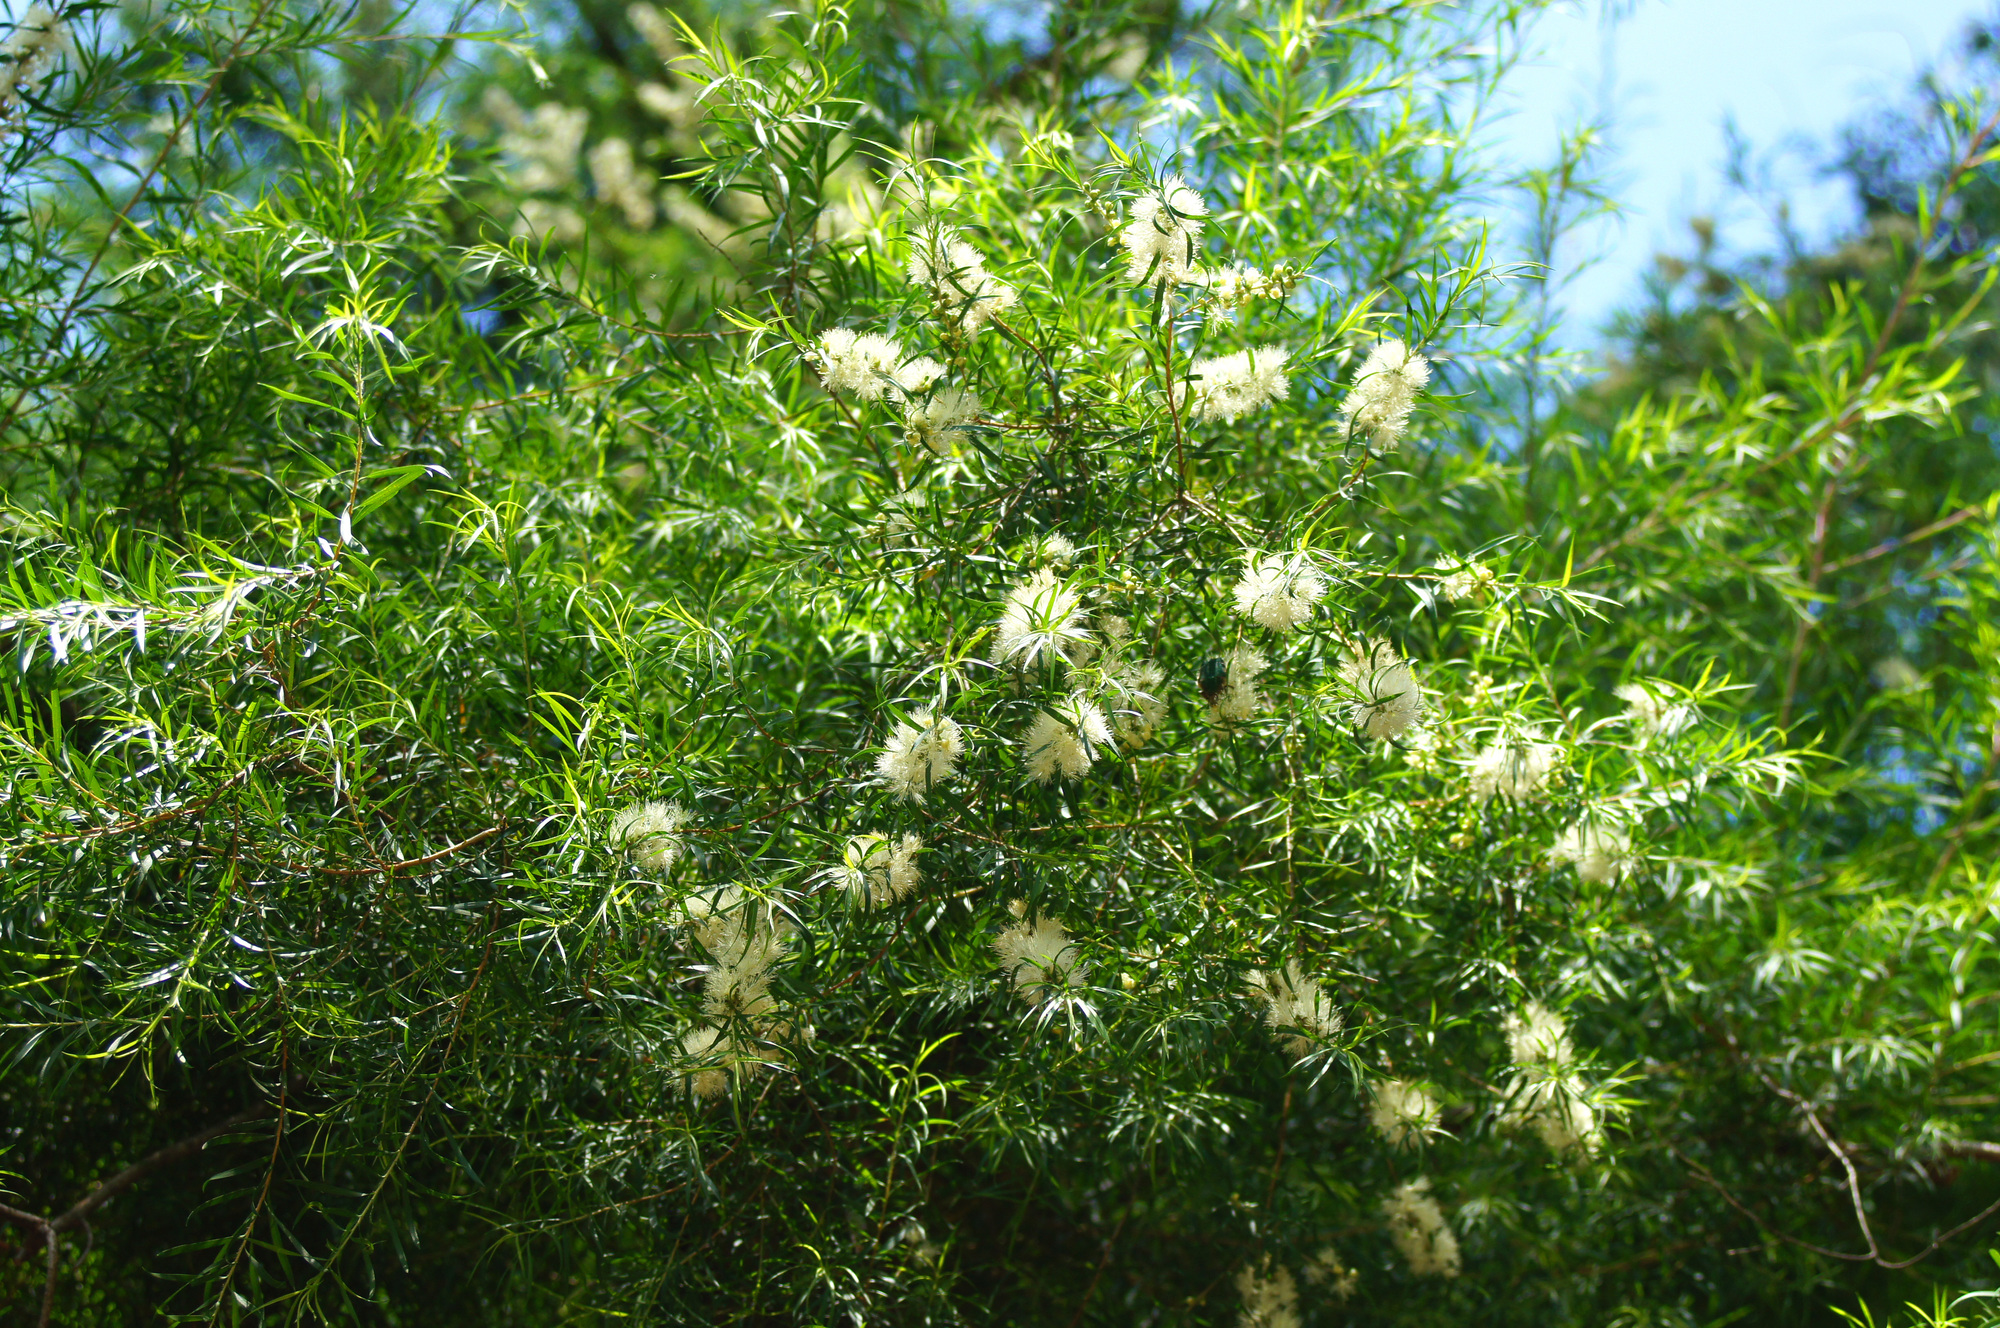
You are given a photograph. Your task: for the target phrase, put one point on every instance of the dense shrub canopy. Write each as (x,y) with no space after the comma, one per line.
(883,665)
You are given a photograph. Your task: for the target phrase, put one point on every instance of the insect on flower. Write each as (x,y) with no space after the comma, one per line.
(1211,678)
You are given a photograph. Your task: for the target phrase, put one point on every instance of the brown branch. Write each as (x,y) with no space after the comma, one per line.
(462,844)
(1709,1178)
(1278,1162)
(1967,1148)
(108,1190)
(49,1243)
(103,1192)
(1896,542)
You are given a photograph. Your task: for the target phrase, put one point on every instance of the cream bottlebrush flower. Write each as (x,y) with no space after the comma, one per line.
(1295,1006)
(1039,958)
(939,420)
(710,910)
(28,57)
(1652,715)
(917,375)
(1137,696)
(1568,1125)
(955,274)
(1417,1226)
(743,952)
(921,753)
(720,1055)
(1538,1038)
(1270,1297)
(711,1049)
(1231,385)
(1600,850)
(1040,620)
(869,367)
(542,147)
(1385,391)
(616,177)
(1325,1269)
(1056,548)
(1279,592)
(1239,700)
(1516,770)
(1163,238)
(1893,673)
(742,948)
(1545,1095)
(1065,739)
(857,364)
(1391,702)
(650,834)
(875,870)
(1404,1113)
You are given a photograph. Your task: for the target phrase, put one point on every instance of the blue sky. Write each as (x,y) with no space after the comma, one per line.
(1668,73)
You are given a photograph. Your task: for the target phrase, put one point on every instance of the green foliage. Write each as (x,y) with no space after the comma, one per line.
(389,516)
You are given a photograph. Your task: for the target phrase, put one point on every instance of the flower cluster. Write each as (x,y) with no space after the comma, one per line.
(1325,1269)
(868,366)
(964,295)
(1514,770)
(650,834)
(1652,715)
(1136,694)
(619,184)
(1038,957)
(1598,847)
(1065,739)
(1227,386)
(1422,1236)
(1279,592)
(921,753)
(1163,237)
(541,147)
(1236,698)
(1295,1006)
(941,419)
(28,58)
(874,870)
(1404,1114)
(1544,1094)
(1537,1036)
(1270,1297)
(743,943)
(1390,701)
(1385,391)
(1040,620)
